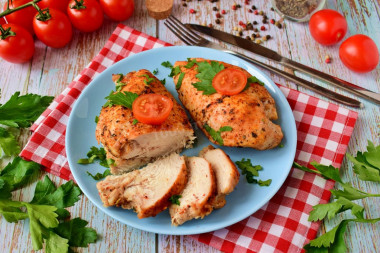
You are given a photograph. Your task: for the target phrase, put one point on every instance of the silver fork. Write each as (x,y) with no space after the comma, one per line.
(192,39)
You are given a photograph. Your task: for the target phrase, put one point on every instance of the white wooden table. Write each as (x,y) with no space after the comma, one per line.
(51,70)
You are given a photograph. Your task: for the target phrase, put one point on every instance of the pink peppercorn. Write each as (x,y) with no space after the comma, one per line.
(223,12)
(241,23)
(250,11)
(246,1)
(234,7)
(272,21)
(256,12)
(262,28)
(192,11)
(218,15)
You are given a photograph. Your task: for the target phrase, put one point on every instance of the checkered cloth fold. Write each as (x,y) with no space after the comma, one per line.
(323,131)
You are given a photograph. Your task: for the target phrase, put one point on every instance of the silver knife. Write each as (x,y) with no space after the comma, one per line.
(272,55)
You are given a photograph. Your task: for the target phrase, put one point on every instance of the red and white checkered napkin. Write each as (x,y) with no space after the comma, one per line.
(324,131)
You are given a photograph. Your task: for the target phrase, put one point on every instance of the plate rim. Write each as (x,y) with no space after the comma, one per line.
(193,231)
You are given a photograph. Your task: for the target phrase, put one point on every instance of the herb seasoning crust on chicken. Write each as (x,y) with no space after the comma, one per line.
(132,144)
(241,120)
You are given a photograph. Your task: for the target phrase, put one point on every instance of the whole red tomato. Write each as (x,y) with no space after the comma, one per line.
(55,31)
(22,17)
(85,15)
(17,48)
(359,53)
(118,10)
(327,27)
(60,5)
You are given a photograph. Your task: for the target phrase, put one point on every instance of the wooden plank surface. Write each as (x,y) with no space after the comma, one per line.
(51,70)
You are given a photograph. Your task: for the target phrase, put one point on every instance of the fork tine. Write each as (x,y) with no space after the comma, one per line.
(179,35)
(184,29)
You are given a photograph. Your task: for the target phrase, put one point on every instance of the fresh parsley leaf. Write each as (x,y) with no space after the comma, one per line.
(11,210)
(148,79)
(329,210)
(119,84)
(8,143)
(190,63)
(351,193)
(56,244)
(155,72)
(167,64)
(180,79)
(251,171)
(163,81)
(99,176)
(135,121)
(174,199)
(97,154)
(253,79)
(124,98)
(206,72)
(216,135)
(19,173)
(76,232)
(328,172)
(175,71)
(281,145)
(96,119)
(22,111)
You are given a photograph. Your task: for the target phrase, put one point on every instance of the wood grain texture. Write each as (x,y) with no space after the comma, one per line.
(51,70)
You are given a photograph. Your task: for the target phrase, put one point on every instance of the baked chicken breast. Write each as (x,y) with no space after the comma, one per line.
(132,145)
(248,115)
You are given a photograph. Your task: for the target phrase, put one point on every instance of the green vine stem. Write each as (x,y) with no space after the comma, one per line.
(43,15)
(6,33)
(78,5)
(9,11)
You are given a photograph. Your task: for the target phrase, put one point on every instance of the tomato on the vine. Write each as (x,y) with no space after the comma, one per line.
(359,53)
(60,5)
(85,15)
(327,26)
(22,17)
(53,28)
(16,44)
(118,10)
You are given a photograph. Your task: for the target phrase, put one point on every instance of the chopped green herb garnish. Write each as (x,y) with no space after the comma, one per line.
(175,71)
(119,84)
(190,63)
(174,199)
(180,79)
(148,79)
(216,135)
(99,176)
(253,79)
(167,64)
(96,119)
(206,72)
(96,154)
(135,121)
(155,72)
(163,81)
(251,171)
(123,98)
(281,145)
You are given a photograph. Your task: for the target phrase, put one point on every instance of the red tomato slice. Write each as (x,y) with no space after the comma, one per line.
(152,109)
(229,81)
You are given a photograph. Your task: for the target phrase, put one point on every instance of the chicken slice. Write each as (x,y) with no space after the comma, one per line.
(200,188)
(226,174)
(146,191)
(249,113)
(132,145)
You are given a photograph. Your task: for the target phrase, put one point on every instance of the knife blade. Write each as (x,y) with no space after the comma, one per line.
(274,56)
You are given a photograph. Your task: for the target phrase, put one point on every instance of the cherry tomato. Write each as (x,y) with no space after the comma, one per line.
(55,32)
(327,27)
(86,16)
(18,48)
(60,5)
(229,81)
(118,10)
(22,17)
(152,109)
(359,53)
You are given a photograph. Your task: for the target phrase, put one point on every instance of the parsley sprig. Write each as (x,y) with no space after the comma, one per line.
(367,167)
(206,72)
(174,199)
(148,79)
(97,154)
(216,135)
(251,171)
(124,98)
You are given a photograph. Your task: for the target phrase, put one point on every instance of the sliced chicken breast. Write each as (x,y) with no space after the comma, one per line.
(249,113)
(200,188)
(226,174)
(132,145)
(146,191)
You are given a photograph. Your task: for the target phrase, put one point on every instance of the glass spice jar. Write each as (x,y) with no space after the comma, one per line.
(297,10)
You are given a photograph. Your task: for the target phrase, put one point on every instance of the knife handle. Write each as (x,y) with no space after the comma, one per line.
(314,87)
(347,86)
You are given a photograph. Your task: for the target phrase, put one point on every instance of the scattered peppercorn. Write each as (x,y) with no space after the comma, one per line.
(255,22)
(223,12)
(253,36)
(255,30)
(248,38)
(239,29)
(249,26)
(238,6)
(256,12)
(272,9)
(240,33)
(262,28)
(272,21)
(250,11)
(258,41)
(253,7)
(210,25)
(218,15)
(217,21)
(235,28)
(234,7)
(264,21)
(268,37)
(278,24)
(241,22)
(264,38)
(246,2)
(261,12)
(184,4)
(327,59)
(192,11)
(215,8)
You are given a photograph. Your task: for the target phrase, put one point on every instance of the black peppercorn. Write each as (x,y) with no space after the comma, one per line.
(217,21)
(253,7)
(255,22)
(214,8)
(184,5)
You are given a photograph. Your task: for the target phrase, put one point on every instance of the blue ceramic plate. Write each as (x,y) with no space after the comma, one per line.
(245,200)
